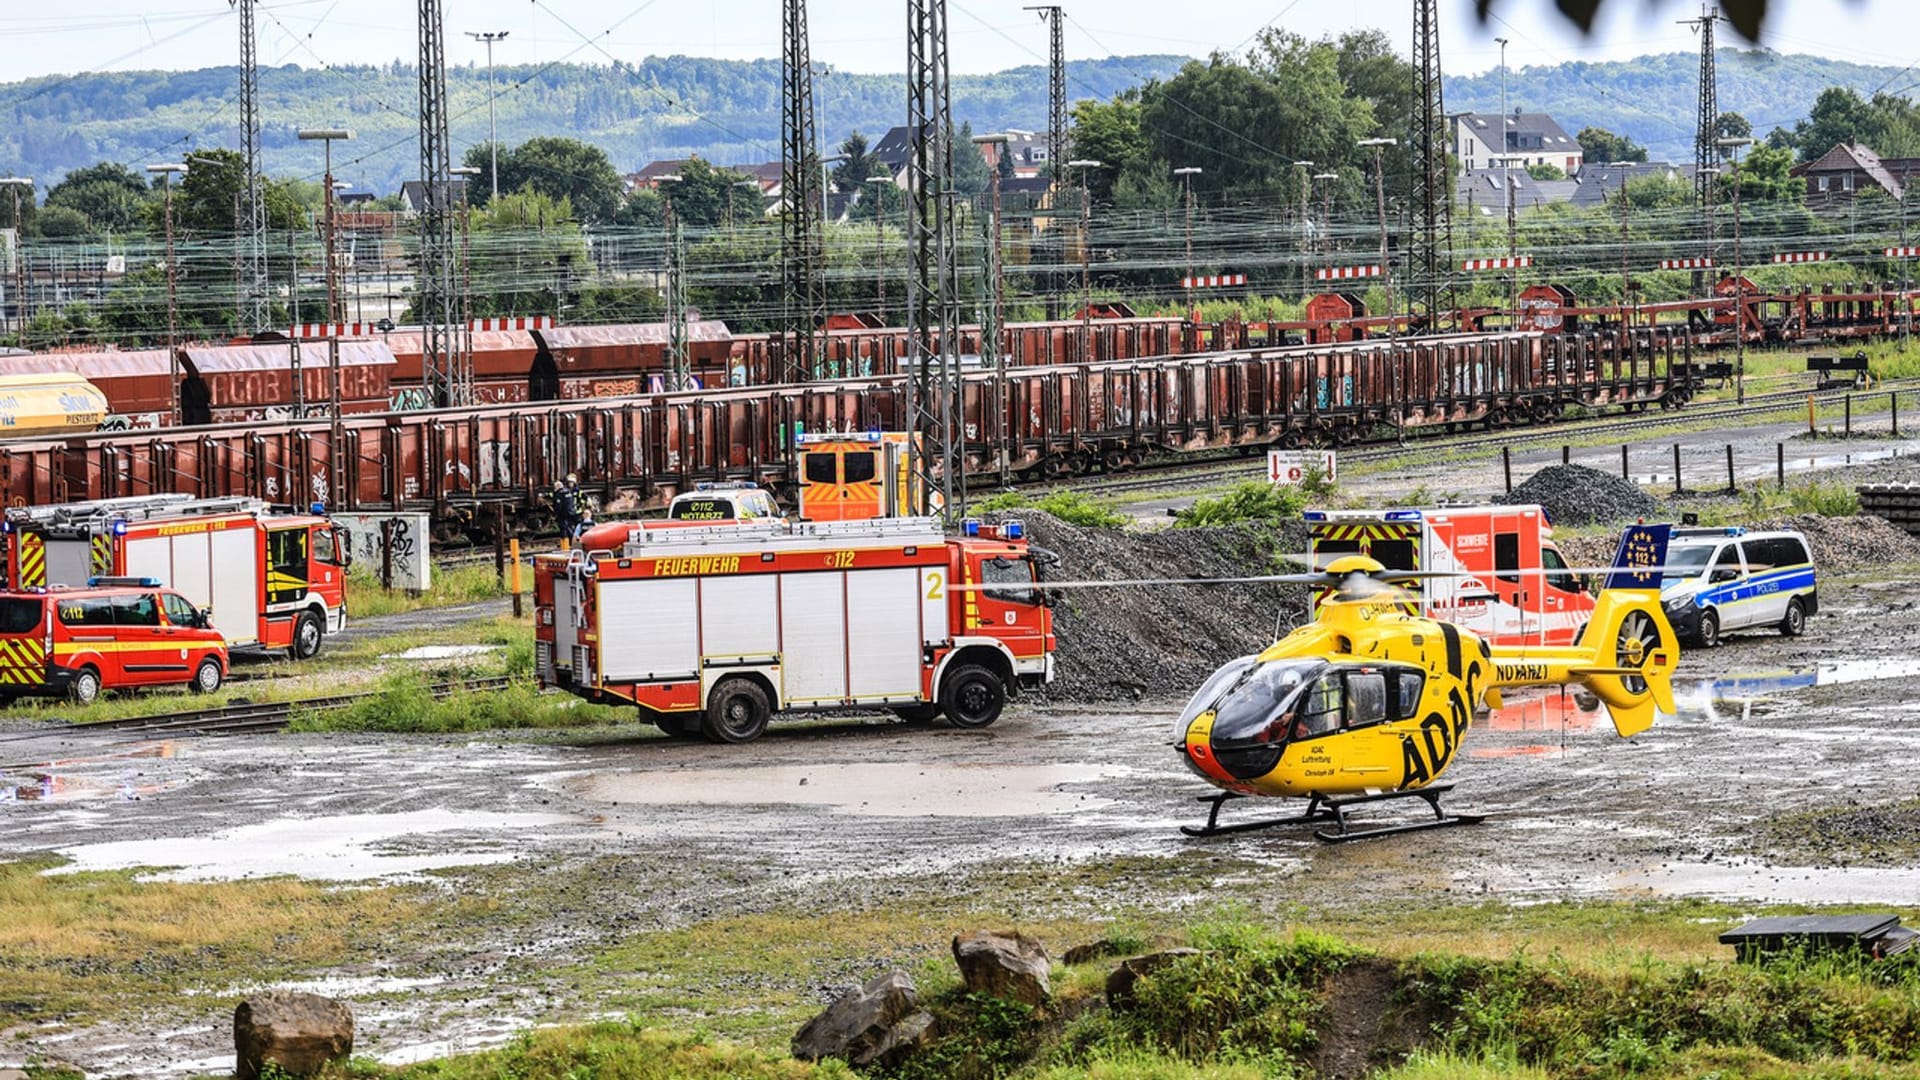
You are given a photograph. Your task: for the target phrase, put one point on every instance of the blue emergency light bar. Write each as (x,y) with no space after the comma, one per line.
(970,527)
(319,509)
(1403,515)
(128,582)
(119,528)
(1013,530)
(1315,515)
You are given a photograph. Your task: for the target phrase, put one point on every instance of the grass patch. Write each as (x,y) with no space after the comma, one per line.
(1830,498)
(452,587)
(96,945)
(1072,507)
(404,703)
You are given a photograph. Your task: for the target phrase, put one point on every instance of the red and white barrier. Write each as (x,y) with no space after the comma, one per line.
(1342,273)
(1901,252)
(1800,257)
(1686,264)
(1215,281)
(524,322)
(313,331)
(1505,262)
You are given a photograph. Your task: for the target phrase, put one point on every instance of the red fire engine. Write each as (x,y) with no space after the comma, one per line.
(715,629)
(273,579)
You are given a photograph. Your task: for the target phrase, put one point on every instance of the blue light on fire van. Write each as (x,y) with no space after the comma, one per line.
(119,528)
(970,527)
(1013,530)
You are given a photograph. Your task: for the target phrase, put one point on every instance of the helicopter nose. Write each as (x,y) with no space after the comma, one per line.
(1197,749)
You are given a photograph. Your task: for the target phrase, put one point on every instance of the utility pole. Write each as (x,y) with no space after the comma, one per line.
(804,295)
(1306,258)
(880,184)
(1186,176)
(335,313)
(1086,257)
(434,295)
(1706,156)
(1626,204)
(463,330)
(253,205)
(1432,261)
(1379,146)
(1734,145)
(14,184)
(166,173)
(991,330)
(679,373)
(933,315)
(1057,136)
(493,126)
(1326,213)
(1506,186)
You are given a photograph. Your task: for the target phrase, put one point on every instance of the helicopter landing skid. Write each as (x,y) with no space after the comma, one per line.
(1318,809)
(1337,808)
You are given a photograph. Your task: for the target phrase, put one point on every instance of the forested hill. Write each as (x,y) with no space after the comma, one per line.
(1653,99)
(728,112)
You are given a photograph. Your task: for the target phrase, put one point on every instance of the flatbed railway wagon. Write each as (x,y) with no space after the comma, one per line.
(716,629)
(272,578)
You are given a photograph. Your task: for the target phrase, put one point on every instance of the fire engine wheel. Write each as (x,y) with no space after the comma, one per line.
(207,677)
(308,633)
(85,688)
(737,712)
(972,696)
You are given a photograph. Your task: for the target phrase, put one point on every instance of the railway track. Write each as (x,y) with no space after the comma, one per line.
(1152,476)
(237,719)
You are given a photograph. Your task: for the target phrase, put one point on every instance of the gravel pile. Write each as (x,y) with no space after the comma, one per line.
(1132,642)
(1577,495)
(1841,545)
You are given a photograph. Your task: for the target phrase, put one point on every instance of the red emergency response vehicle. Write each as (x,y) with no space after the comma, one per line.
(119,633)
(715,629)
(1509,583)
(272,578)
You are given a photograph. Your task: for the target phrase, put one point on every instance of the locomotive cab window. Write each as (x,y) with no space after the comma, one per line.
(1009,581)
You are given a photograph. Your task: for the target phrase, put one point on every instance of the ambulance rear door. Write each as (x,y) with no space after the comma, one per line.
(1461,542)
(1516,579)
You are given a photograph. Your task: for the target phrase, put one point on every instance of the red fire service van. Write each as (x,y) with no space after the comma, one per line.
(117,633)
(715,629)
(1513,587)
(273,579)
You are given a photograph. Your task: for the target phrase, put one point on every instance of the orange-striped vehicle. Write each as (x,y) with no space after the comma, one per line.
(857,477)
(116,633)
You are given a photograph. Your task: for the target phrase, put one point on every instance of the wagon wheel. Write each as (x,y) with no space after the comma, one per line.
(1637,641)
(1080,463)
(1136,457)
(1113,461)
(1346,435)
(1054,468)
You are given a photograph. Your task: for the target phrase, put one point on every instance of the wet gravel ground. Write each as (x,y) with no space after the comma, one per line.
(638,832)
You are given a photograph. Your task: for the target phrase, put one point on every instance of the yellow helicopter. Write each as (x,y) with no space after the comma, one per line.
(1370,702)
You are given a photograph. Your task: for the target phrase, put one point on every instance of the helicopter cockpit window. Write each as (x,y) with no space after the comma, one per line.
(1405,698)
(1319,710)
(1211,690)
(1259,707)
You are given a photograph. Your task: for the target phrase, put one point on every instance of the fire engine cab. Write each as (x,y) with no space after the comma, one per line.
(1512,587)
(715,629)
(272,578)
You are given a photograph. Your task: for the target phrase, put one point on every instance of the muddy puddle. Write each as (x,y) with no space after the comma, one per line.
(866,789)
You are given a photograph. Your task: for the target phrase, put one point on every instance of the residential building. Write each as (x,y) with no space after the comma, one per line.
(1600,182)
(1030,152)
(413,195)
(1835,177)
(1479,191)
(1530,139)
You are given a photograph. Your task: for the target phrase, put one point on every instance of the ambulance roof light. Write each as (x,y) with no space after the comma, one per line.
(1315,515)
(1403,515)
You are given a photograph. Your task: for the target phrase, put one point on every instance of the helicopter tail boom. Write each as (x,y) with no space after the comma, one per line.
(1625,657)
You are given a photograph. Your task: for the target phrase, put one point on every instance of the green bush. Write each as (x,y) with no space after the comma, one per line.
(1071,507)
(1254,502)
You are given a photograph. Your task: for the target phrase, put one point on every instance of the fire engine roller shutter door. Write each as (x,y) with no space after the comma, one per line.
(813,637)
(883,637)
(737,620)
(566,611)
(234,558)
(157,556)
(69,562)
(649,630)
(192,570)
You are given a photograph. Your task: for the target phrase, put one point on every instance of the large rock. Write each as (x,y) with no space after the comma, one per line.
(1009,966)
(300,1033)
(880,1023)
(1120,982)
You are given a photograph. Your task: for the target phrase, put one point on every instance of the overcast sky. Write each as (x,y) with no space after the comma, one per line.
(869,35)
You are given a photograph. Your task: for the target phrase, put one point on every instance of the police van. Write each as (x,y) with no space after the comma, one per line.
(1723,579)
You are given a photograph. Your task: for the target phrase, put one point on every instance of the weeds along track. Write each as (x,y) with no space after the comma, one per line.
(1155,476)
(243,718)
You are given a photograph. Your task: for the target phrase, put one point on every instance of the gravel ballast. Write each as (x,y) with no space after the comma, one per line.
(1577,495)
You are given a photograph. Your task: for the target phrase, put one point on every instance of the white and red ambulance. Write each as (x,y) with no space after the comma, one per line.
(716,629)
(1505,580)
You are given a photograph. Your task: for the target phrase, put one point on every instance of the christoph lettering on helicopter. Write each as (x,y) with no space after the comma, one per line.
(1370,703)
